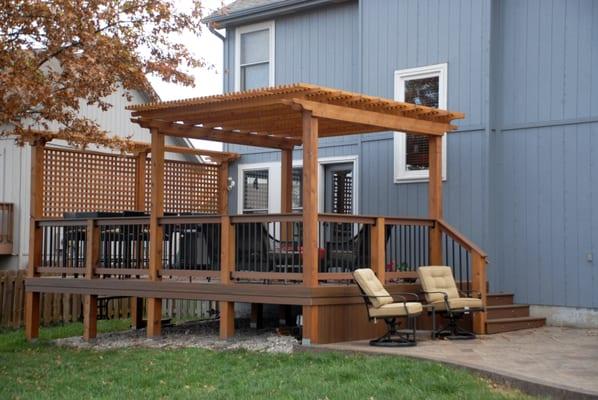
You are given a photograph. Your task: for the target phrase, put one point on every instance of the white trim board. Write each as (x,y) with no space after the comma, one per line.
(400,173)
(270,25)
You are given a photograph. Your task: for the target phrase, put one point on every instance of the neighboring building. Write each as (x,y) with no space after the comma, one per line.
(15,165)
(521,172)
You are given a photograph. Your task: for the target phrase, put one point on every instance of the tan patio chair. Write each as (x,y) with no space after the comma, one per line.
(441,292)
(380,304)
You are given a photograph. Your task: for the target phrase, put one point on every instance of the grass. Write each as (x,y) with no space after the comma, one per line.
(43,371)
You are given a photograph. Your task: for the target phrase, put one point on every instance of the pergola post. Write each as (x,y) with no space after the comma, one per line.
(140,172)
(223,188)
(154,305)
(435,198)
(36,209)
(286,207)
(310,222)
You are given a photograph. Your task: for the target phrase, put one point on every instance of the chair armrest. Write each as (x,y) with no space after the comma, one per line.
(406,294)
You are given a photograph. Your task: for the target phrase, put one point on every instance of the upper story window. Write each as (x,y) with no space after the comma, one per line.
(426,86)
(254,55)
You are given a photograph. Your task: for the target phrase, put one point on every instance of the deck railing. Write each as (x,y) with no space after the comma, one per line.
(63,247)
(6,227)
(266,248)
(407,244)
(123,246)
(191,246)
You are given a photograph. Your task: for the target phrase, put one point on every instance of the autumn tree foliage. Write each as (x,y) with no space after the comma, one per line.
(55,54)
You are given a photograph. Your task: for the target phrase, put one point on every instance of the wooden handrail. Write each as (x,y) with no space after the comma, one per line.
(247,218)
(461,239)
(346,218)
(408,221)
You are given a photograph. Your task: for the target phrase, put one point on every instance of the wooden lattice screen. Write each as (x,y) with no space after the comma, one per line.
(76,181)
(187,187)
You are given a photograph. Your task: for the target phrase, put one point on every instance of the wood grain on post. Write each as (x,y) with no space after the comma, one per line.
(154,305)
(479,278)
(36,210)
(378,248)
(435,198)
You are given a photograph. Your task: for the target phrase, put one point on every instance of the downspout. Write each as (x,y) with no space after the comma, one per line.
(215,32)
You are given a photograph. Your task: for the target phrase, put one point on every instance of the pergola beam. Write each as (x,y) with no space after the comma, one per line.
(373,118)
(228,136)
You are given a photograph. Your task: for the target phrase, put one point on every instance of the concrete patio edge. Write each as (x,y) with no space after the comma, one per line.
(534,387)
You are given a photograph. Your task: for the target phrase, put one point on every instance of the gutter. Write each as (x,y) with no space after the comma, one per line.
(268,10)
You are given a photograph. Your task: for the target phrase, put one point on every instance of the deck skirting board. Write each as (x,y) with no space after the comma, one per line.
(238,292)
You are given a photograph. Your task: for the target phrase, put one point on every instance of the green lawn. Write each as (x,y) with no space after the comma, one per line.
(41,370)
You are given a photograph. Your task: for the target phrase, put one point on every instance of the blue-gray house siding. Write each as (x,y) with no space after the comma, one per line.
(522,178)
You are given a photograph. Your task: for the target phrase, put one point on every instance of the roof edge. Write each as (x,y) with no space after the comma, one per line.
(221,20)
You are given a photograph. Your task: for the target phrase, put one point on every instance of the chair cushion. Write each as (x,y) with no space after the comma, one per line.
(437,279)
(371,286)
(396,310)
(458,303)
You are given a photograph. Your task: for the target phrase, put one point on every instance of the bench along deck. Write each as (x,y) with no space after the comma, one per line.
(177,251)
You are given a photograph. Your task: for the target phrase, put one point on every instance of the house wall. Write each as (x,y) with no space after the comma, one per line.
(15,166)
(545,173)
(522,177)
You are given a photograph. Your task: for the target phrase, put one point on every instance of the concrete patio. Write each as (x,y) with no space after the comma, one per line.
(549,361)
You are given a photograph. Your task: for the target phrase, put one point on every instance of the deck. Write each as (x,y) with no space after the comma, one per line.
(109,256)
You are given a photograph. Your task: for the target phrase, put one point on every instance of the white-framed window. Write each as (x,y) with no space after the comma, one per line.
(254,56)
(426,86)
(268,201)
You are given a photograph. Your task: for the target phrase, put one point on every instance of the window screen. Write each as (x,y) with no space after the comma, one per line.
(255,191)
(255,59)
(423,92)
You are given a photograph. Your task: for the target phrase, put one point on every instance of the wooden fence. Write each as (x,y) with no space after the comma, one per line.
(63,307)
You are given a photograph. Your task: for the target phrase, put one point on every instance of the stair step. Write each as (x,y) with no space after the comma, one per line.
(499,299)
(507,311)
(513,324)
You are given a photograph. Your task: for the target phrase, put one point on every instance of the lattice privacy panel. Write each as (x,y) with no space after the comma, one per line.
(187,187)
(87,181)
(76,181)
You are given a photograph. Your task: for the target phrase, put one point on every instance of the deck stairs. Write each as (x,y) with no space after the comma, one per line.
(505,316)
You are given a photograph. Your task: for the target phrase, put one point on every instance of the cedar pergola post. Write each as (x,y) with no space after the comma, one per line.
(140,172)
(36,210)
(310,222)
(435,197)
(154,305)
(286,207)
(227,254)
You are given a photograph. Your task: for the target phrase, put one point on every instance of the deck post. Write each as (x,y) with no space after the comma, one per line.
(227,266)
(136,306)
(435,198)
(310,222)
(478,284)
(36,210)
(378,249)
(154,305)
(90,301)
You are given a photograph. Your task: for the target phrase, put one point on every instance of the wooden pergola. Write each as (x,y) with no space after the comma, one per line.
(283,118)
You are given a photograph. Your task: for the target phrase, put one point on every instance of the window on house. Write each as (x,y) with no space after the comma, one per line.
(255,192)
(426,86)
(297,189)
(255,56)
